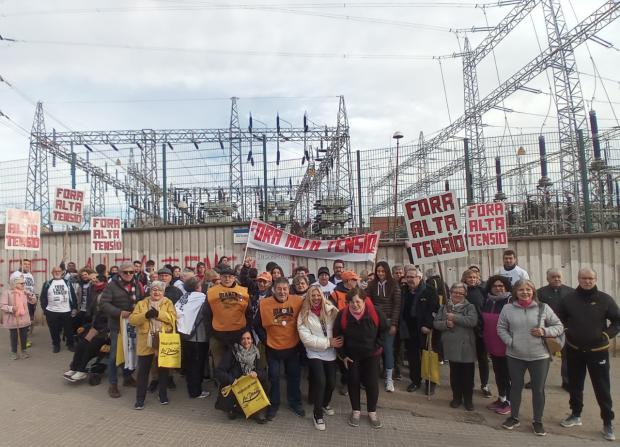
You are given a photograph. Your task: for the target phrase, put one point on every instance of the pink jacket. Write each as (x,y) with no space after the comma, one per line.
(7,306)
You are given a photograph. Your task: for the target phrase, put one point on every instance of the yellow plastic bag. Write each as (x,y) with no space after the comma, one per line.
(169,351)
(249,393)
(430,362)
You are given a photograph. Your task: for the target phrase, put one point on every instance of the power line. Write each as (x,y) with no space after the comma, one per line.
(295,54)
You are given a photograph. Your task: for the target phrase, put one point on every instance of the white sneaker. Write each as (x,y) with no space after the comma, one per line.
(203,395)
(69,373)
(79,376)
(389,386)
(25,354)
(329,410)
(319,424)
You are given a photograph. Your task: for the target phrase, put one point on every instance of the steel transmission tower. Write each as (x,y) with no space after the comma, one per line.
(236,158)
(37,188)
(473,127)
(569,103)
(97,196)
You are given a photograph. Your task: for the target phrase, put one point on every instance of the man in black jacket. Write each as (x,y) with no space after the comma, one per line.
(418,303)
(584,314)
(118,300)
(553,294)
(173,293)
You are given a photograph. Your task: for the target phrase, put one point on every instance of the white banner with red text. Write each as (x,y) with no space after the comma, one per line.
(360,248)
(68,206)
(22,230)
(434,228)
(106,235)
(486,226)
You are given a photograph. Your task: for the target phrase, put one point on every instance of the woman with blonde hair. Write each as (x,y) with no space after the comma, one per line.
(315,324)
(523,324)
(15,315)
(152,315)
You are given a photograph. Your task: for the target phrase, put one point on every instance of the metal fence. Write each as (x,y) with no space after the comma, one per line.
(201,175)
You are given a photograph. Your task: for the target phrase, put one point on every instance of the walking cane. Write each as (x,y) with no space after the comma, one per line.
(429,346)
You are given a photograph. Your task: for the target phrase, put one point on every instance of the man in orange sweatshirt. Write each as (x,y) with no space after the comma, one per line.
(226,314)
(276,325)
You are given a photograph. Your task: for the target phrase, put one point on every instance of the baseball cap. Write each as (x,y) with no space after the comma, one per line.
(323,270)
(348,275)
(265,276)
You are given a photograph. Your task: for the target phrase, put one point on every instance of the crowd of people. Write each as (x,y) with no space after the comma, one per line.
(352,332)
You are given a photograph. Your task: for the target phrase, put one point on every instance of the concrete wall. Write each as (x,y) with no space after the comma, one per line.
(188,245)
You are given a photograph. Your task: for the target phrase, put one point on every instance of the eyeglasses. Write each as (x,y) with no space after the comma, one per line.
(127,272)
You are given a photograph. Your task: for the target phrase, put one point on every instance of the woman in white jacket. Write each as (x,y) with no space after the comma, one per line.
(315,325)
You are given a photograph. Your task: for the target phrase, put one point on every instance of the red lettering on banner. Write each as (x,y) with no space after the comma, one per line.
(315,246)
(426,206)
(170,260)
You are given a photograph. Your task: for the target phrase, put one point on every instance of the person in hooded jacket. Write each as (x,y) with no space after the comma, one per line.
(315,324)
(498,294)
(475,295)
(59,303)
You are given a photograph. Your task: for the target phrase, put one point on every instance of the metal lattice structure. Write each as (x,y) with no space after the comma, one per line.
(569,102)
(587,28)
(37,189)
(233,199)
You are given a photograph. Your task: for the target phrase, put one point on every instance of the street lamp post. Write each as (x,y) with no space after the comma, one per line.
(397,136)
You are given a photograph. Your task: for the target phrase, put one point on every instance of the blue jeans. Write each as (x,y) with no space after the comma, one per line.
(292,369)
(388,351)
(112,371)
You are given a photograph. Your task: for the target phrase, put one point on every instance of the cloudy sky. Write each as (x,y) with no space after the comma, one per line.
(175,63)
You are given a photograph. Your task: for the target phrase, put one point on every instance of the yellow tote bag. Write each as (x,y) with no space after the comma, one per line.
(169,351)
(249,393)
(430,362)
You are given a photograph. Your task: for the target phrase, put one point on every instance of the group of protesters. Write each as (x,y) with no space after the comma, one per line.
(351,331)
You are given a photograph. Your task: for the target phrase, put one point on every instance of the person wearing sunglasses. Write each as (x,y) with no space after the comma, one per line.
(118,301)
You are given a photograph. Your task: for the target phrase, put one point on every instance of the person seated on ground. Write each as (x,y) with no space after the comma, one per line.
(242,359)
(457,320)
(151,316)
(91,336)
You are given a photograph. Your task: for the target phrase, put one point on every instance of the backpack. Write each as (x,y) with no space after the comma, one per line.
(371,311)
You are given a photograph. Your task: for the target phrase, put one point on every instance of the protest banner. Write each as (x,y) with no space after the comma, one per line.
(486,226)
(23,230)
(68,206)
(434,228)
(360,248)
(106,235)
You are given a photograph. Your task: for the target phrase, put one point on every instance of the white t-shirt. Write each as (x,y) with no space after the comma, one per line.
(328,289)
(28,280)
(178,283)
(58,296)
(514,275)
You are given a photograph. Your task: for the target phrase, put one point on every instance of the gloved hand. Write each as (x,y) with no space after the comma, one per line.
(151,313)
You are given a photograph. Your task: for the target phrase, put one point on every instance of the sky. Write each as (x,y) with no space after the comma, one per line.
(163,64)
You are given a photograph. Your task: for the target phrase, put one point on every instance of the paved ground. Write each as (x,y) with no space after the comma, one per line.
(38,407)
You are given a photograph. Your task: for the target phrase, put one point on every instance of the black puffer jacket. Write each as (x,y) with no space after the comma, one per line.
(584,314)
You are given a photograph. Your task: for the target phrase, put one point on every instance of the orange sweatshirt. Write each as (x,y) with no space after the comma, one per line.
(228,305)
(280,321)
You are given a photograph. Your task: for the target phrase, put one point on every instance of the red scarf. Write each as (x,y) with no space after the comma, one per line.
(316,310)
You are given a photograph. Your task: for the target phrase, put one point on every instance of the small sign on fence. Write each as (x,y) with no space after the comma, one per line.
(23,230)
(486,226)
(106,235)
(434,228)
